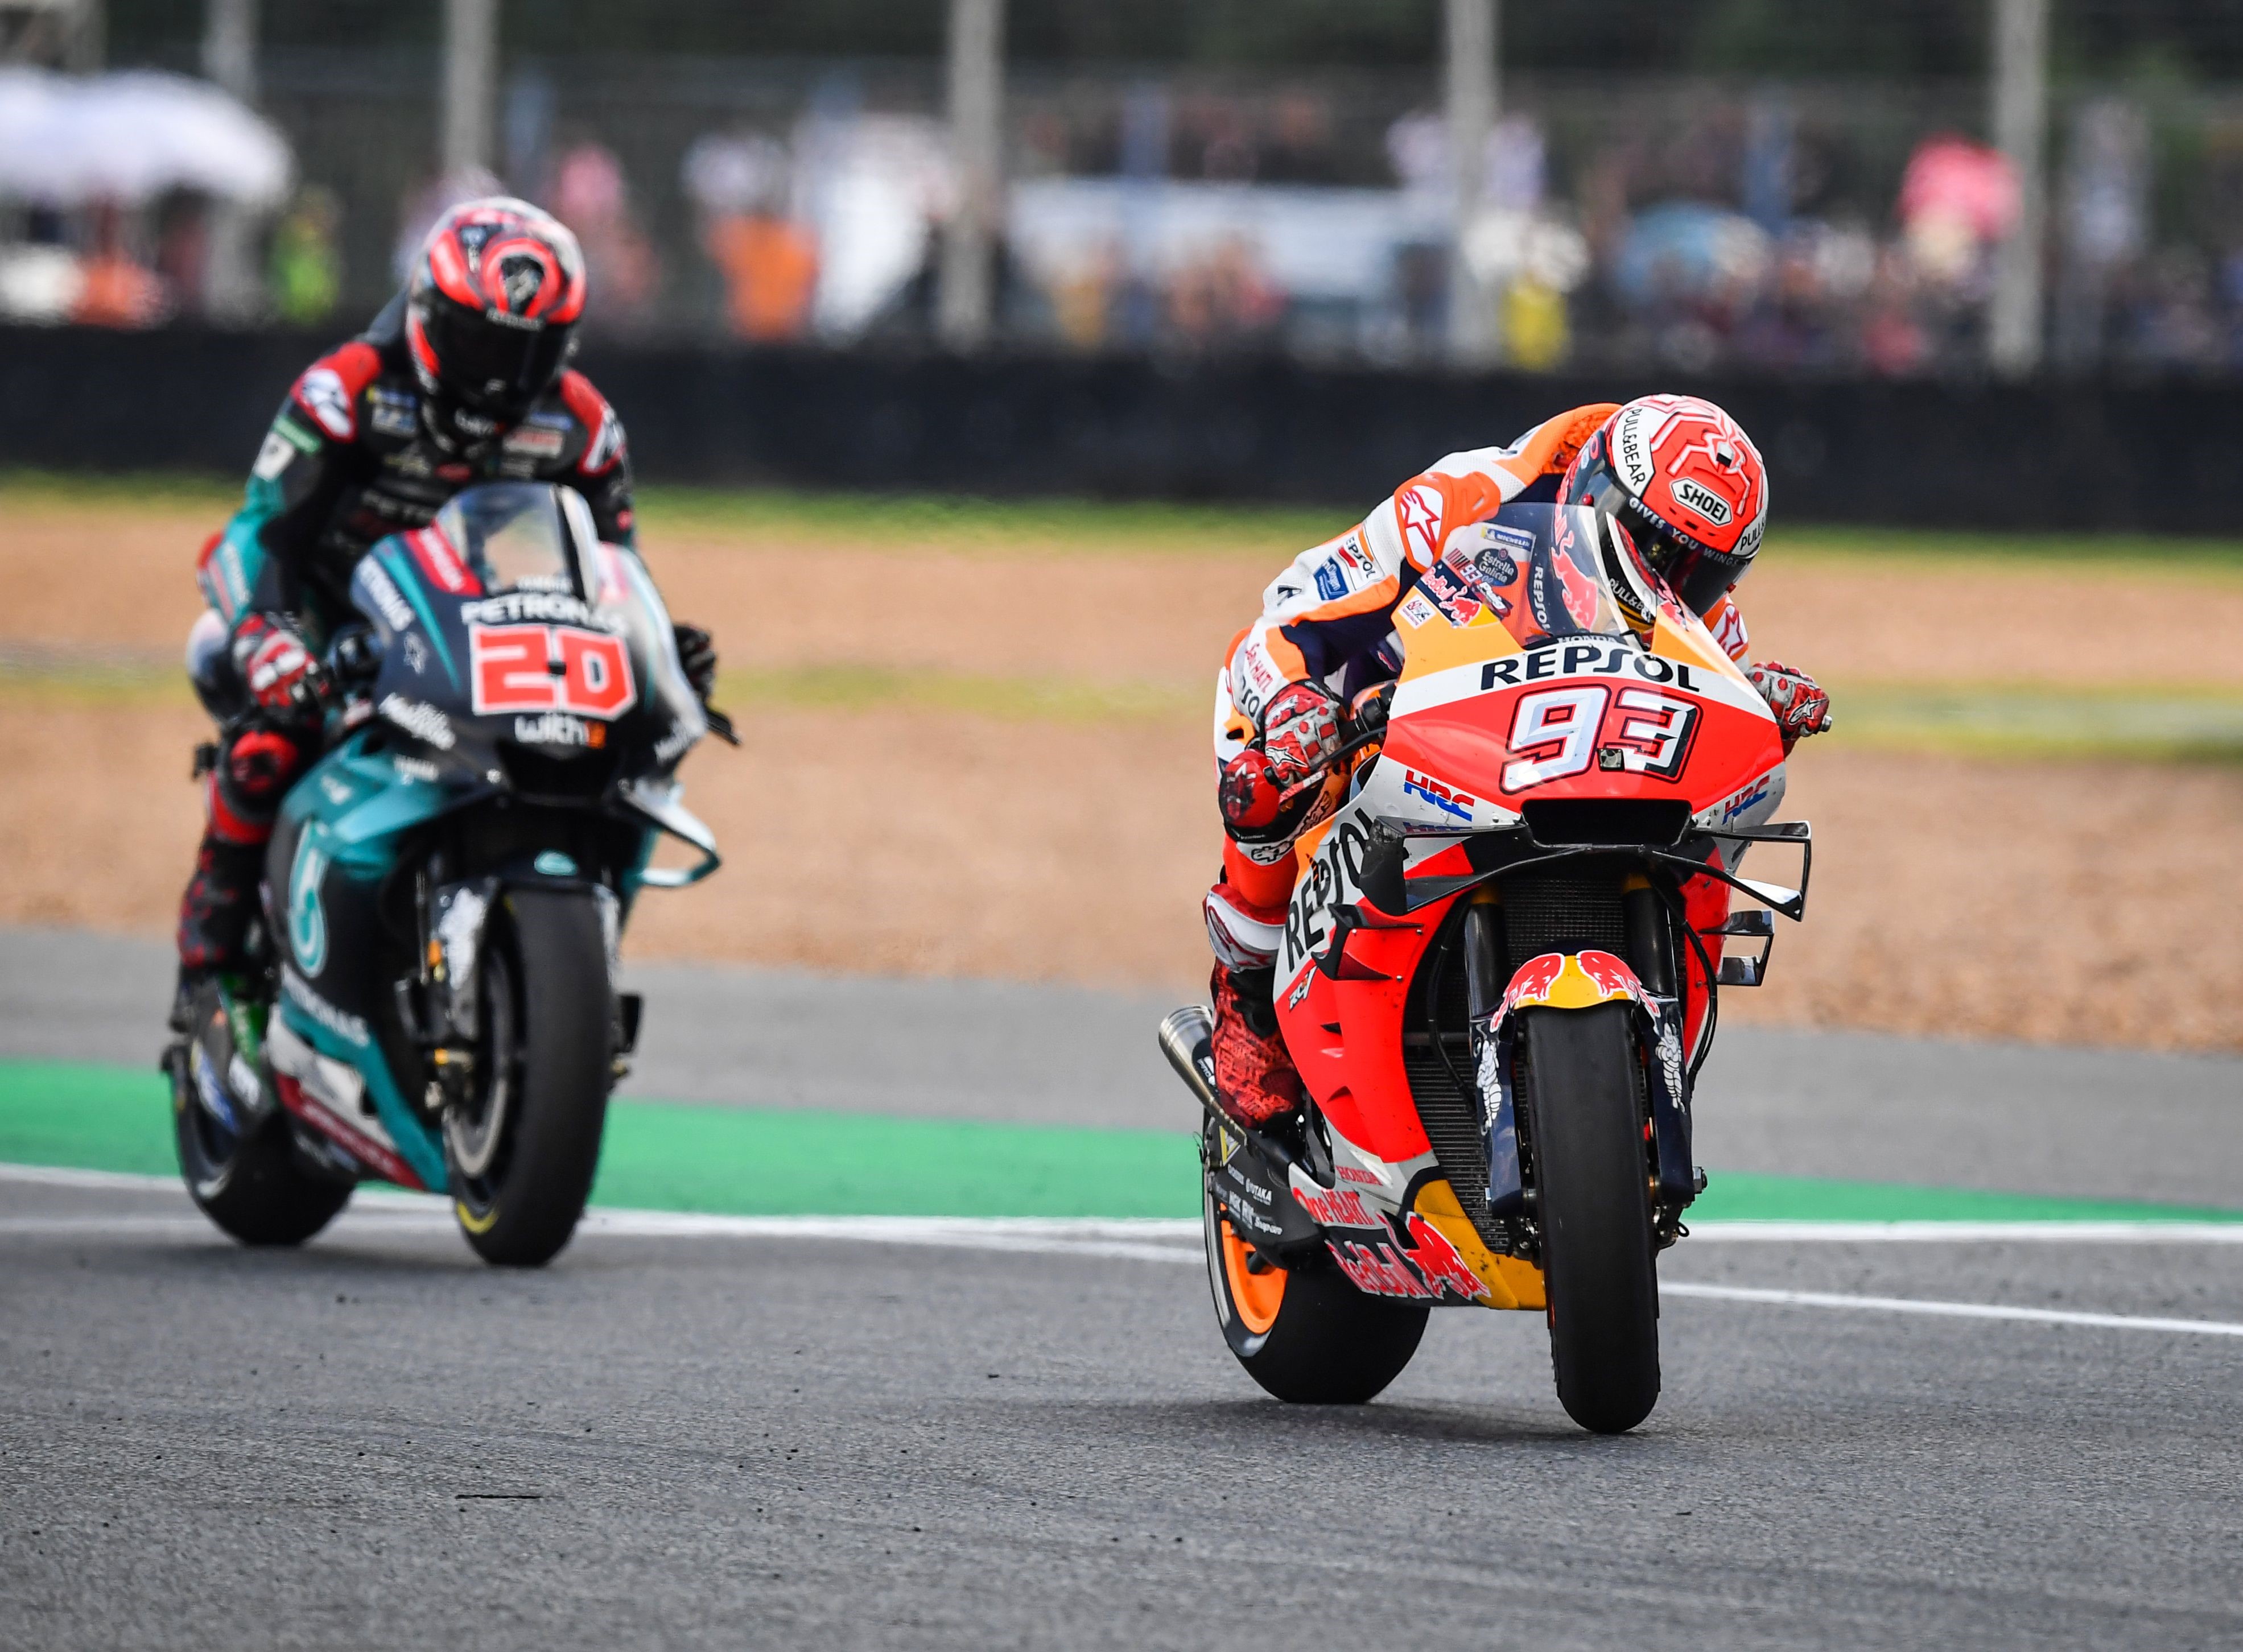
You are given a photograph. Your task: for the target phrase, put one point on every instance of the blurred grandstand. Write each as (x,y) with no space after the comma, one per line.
(1772,187)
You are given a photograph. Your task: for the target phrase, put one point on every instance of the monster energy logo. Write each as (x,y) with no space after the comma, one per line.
(308,915)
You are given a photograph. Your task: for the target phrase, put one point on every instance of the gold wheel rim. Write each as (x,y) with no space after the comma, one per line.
(1256,1296)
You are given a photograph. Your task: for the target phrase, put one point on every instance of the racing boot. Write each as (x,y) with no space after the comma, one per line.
(214,915)
(1255,1078)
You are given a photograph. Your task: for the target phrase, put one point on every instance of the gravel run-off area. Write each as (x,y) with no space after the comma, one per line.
(2083,901)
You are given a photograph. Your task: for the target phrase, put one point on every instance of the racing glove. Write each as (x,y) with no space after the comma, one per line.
(1299,738)
(1800,705)
(696,651)
(282,673)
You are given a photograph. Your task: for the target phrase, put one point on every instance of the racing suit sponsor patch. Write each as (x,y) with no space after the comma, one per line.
(324,397)
(273,457)
(534,441)
(1419,511)
(391,412)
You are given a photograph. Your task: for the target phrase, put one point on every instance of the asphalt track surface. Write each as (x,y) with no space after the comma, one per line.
(681,1436)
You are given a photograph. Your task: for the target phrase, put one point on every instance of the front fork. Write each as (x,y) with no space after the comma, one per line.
(1658,1020)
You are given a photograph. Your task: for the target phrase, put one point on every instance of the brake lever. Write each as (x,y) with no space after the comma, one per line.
(720,725)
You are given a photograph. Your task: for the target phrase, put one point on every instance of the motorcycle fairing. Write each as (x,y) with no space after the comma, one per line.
(1420,1247)
(1261,1207)
(336,840)
(427,609)
(327,1096)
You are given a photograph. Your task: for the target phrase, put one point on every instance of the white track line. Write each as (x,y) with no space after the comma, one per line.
(2151,1231)
(1950,1310)
(1140,1240)
(925,1230)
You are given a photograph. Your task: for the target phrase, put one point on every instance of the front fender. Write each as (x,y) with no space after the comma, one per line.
(1560,983)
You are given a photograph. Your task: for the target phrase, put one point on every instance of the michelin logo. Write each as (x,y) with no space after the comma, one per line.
(423,722)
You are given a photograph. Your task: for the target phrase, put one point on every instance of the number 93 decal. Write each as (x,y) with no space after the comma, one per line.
(1560,732)
(549,668)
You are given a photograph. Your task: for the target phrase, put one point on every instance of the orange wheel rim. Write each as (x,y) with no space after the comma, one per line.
(1256,1296)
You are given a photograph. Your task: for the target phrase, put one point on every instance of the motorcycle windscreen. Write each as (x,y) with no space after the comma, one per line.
(623,592)
(1601,684)
(517,536)
(1548,572)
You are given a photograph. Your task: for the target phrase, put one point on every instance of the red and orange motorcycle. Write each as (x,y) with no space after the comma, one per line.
(1498,979)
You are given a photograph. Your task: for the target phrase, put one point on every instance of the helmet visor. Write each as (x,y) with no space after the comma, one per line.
(492,365)
(1699,576)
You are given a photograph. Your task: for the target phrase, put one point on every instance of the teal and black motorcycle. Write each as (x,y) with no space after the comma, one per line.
(435,1002)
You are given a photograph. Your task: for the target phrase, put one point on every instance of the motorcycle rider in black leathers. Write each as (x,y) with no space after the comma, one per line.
(463,378)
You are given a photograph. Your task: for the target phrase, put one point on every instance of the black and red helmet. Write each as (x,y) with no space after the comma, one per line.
(1688,485)
(493,306)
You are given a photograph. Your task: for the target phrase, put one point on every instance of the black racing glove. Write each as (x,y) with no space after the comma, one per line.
(696,651)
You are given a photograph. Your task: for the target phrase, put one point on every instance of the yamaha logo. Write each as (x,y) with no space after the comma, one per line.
(1696,496)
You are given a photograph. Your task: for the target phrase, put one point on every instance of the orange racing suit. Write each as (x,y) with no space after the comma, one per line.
(1328,616)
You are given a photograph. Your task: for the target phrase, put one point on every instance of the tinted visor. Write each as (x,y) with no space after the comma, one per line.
(1698,576)
(490,365)
(1701,578)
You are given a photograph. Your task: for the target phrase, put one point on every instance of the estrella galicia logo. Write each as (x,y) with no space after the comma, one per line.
(1331,584)
(308,915)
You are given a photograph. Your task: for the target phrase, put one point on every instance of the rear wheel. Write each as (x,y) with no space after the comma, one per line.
(1594,1199)
(245,1175)
(523,1150)
(1305,1334)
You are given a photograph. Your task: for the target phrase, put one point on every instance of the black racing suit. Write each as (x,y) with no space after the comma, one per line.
(349,461)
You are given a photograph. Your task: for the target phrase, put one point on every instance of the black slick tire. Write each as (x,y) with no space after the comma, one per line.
(1305,1334)
(253,1186)
(547,1021)
(1594,1198)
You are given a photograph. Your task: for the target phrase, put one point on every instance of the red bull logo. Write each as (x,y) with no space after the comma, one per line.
(1611,975)
(1532,981)
(1570,981)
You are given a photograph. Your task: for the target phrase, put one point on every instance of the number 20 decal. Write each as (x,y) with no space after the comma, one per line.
(549,668)
(1558,732)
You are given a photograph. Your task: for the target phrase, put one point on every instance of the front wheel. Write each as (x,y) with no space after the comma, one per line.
(523,1149)
(1306,1336)
(1595,1196)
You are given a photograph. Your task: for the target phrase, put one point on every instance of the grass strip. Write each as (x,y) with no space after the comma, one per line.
(1060,525)
(2164,723)
(2155,724)
(768,1162)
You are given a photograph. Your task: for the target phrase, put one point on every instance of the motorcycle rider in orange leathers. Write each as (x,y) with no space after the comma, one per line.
(1680,476)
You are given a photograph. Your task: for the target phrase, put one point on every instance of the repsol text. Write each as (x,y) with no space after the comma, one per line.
(1584,659)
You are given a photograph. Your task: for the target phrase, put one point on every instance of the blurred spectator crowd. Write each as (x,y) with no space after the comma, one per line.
(1784,230)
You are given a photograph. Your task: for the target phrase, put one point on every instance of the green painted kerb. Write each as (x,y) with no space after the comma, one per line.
(756,1162)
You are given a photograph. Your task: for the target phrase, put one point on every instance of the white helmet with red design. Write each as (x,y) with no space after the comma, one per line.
(492,312)
(1686,484)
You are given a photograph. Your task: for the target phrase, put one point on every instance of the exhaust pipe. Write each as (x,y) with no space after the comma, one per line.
(1188,1040)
